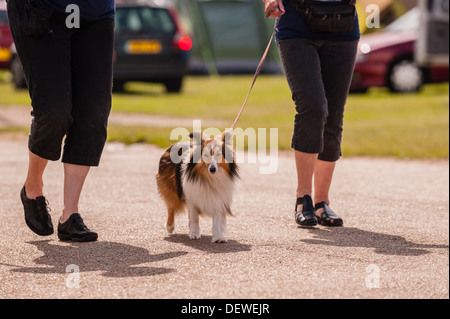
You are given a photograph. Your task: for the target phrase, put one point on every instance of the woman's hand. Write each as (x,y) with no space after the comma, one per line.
(274,8)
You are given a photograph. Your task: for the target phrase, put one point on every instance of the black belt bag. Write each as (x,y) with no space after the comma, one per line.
(35,18)
(327,16)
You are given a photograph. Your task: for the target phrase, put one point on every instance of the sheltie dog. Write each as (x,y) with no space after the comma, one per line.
(199,175)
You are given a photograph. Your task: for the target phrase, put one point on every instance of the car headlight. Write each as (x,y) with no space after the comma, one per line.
(5,54)
(363,50)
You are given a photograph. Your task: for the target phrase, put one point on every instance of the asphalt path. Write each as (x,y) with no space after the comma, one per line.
(394,244)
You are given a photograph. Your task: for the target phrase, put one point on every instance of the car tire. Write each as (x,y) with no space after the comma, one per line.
(174,85)
(18,76)
(405,76)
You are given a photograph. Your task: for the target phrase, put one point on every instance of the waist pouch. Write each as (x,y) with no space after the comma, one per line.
(35,18)
(327,16)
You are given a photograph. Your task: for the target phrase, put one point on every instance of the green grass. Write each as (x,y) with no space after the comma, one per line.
(377,123)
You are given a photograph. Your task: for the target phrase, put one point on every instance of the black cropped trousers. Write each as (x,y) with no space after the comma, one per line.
(69,77)
(319,74)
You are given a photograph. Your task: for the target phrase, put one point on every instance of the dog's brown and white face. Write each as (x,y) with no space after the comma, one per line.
(212,155)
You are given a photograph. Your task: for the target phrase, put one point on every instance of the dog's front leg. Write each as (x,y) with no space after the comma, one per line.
(170,224)
(194,225)
(219,228)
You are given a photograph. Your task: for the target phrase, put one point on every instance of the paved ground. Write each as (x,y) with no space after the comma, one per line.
(395,243)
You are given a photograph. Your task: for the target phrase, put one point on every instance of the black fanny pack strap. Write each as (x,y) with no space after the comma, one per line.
(323,16)
(311,2)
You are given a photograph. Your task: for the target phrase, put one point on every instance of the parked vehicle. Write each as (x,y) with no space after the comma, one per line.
(386,58)
(5,37)
(151,44)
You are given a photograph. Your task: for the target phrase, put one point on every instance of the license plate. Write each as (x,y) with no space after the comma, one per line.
(143,47)
(5,54)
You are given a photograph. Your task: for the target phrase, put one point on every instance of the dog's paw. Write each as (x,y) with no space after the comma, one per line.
(194,235)
(170,229)
(219,239)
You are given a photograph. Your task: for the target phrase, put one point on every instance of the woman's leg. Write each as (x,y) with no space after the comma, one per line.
(91,60)
(306,166)
(91,91)
(303,72)
(92,56)
(74,177)
(323,176)
(71,226)
(34,183)
(337,60)
(46,64)
(322,183)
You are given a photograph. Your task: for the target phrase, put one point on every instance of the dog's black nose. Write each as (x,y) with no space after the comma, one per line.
(212,169)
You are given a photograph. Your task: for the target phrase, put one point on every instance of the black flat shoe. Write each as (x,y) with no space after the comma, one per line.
(307,216)
(74,229)
(328,217)
(37,217)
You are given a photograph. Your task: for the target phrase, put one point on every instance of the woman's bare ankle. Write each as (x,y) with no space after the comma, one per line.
(33,190)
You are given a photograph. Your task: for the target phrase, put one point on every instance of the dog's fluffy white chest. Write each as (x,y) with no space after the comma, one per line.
(210,196)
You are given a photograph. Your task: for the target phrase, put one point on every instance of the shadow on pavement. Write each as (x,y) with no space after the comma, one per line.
(206,245)
(383,243)
(115,259)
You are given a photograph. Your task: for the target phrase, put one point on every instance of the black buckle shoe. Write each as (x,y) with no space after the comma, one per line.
(307,216)
(36,214)
(328,217)
(74,229)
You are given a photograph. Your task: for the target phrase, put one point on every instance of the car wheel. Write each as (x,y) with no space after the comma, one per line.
(405,77)
(18,76)
(174,85)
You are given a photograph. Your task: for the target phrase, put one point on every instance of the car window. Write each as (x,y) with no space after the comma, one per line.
(410,21)
(3,17)
(146,20)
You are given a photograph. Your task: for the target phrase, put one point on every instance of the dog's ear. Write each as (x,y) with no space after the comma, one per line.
(227,137)
(196,137)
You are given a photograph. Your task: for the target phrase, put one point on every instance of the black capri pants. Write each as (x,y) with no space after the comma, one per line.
(69,77)
(319,74)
